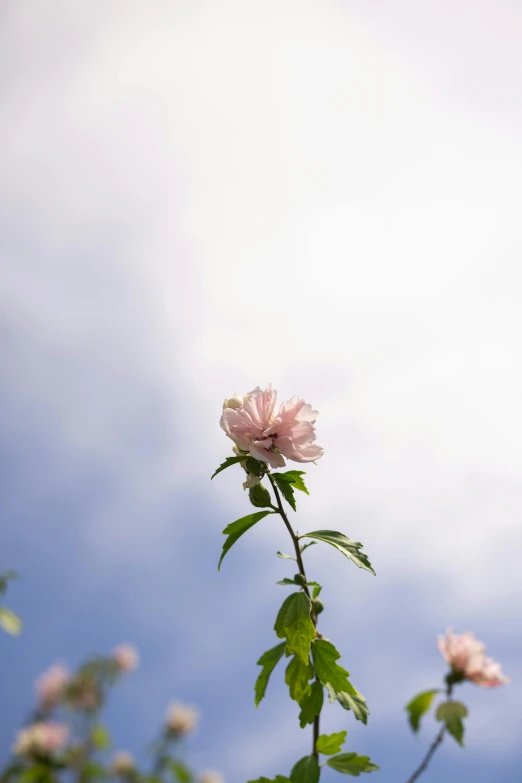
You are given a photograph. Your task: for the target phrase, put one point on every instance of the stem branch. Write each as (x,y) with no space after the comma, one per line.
(434,745)
(302,571)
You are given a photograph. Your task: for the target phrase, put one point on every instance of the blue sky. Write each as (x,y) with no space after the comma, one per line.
(198,198)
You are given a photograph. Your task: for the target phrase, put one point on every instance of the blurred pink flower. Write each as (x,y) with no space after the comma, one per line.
(42,738)
(181,719)
(122,763)
(211,776)
(467,655)
(267,435)
(50,686)
(126,657)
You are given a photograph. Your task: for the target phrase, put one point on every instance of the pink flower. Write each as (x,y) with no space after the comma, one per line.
(269,436)
(51,684)
(467,655)
(41,738)
(126,657)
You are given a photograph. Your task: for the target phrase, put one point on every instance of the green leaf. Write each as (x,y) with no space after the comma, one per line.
(285,557)
(100,737)
(418,706)
(5,578)
(268,661)
(317,589)
(294,476)
(328,671)
(287,581)
(452,712)
(330,743)
(349,548)
(277,779)
(352,764)
(312,704)
(92,771)
(180,771)
(296,677)
(293,623)
(305,546)
(306,770)
(254,466)
(10,621)
(351,699)
(227,464)
(236,529)
(259,496)
(286,488)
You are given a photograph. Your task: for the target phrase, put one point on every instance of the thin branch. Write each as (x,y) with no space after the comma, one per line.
(435,744)
(427,758)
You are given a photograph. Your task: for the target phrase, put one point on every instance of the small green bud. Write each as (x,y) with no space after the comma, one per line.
(259,496)
(318,606)
(299,579)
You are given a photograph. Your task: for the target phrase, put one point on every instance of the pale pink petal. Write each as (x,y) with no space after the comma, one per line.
(309,453)
(466,654)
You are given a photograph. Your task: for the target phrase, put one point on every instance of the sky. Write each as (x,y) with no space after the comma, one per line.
(198,198)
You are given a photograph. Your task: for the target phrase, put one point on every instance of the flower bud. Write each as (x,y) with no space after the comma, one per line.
(299,579)
(50,686)
(122,763)
(126,657)
(181,719)
(318,606)
(211,776)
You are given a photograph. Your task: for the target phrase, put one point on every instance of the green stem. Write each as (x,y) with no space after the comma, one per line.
(302,571)
(434,745)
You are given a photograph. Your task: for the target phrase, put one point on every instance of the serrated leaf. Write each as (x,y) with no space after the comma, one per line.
(328,671)
(351,699)
(293,623)
(259,496)
(285,557)
(286,488)
(227,464)
(306,770)
(294,476)
(10,621)
(328,744)
(236,529)
(349,548)
(351,764)
(100,737)
(268,661)
(312,704)
(316,591)
(451,713)
(418,706)
(180,771)
(297,678)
